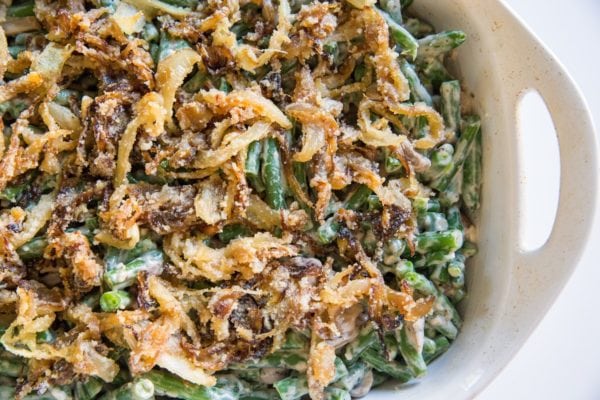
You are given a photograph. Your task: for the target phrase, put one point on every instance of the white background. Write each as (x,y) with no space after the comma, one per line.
(561,360)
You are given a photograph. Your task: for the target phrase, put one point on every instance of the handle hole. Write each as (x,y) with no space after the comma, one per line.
(539,173)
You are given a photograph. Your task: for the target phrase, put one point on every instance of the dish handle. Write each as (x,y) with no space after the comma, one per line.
(547,269)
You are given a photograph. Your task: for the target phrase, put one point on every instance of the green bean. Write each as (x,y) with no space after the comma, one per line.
(400,269)
(373,203)
(223,85)
(261,395)
(328,231)
(240,29)
(454,218)
(451,195)
(417,90)
(234,231)
(394,369)
(356,373)
(357,198)
(46,336)
(21,9)
(367,338)
(288,359)
(169,45)
(295,340)
(439,44)
(450,104)
(408,348)
(393,8)
(292,388)
(182,3)
(433,205)
(332,51)
(272,174)
(441,162)
(14,51)
(448,241)
(440,275)
(65,96)
(155,53)
(110,4)
(359,71)
(140,389)
(433,73)
(471,126)
(378,378)
(392,251)
(13,108)
(468,249)
(401,36)
(12,366)
(252,165)
(124,275)
(432,259)
(114,300)
(88,389)
(440,345)
(392,165)
(417,27)
(471,179)
(150,33)
(433,222)
(420,283)
(333,393)
(166,384)
(33,249)
(115,256)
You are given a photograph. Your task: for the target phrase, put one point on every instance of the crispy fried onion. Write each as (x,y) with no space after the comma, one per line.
(34,220)
(80,346)
(235,143)
(246,256)
(151,8)
(170,75)
(150,115)
(45,71)
(379,134)
(249,57)
(157,341)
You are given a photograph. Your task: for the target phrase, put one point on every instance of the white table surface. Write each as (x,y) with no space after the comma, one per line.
(561,360)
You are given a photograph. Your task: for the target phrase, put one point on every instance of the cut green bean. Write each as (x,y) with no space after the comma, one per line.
(471,126)
(393,8)
(272,175)
(394,369)
(21,9)
(124,275)
(292,388)
(447,241)
(169,45)
(450,104)
(234,231)
(140,389)
(439,44)
(401,36)
(33,249)
(88,389)
(166,384)
(417,90)
(114,300)
(471,178)
(411,354)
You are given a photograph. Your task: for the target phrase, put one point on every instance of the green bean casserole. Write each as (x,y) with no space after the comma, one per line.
(229,199)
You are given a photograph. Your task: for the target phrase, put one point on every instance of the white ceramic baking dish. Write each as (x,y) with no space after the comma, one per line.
(510,290)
